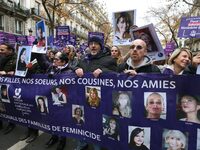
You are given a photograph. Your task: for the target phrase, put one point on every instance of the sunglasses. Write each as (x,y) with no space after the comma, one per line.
(137,47)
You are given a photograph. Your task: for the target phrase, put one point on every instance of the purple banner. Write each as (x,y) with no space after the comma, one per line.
(22,39)
(30,40)
(110,111)
(170,46)
(63,33)
(189,27)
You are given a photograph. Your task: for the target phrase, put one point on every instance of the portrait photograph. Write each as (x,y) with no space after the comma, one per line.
(42,104)
(122,22)
(78,114)
(122,103)
(41,37)
(155,106)
(59,95)
(111,127)
(188,108)
(148,35)
(23,58)
(139,138)
(4,93)
(174,140)
(93,96)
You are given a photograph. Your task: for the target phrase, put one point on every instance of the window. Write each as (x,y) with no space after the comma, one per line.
(37,7)
(1,22)
(18,26)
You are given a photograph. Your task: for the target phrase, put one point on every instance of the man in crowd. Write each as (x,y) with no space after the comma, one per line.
(7,67)
(138,62)
(97,61)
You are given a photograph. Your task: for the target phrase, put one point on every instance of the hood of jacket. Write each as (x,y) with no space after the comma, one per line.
(146,61)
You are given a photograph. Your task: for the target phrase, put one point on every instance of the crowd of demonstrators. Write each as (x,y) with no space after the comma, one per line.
(96,60)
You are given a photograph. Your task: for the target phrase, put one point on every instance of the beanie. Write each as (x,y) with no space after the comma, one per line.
(96,39)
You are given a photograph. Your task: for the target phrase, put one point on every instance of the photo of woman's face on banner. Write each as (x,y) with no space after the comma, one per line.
(139,138)
(174,140)
(122,22)
(188,108)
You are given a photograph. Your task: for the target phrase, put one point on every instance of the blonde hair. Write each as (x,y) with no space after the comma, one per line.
(94,102)
(176,134)
(176,53)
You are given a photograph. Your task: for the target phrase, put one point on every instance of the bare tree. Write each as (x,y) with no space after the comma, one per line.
(55,8)
(167,20)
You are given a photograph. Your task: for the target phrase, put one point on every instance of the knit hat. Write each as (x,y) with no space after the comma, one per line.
(95,39)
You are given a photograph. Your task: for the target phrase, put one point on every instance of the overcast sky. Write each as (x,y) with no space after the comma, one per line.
(141,7)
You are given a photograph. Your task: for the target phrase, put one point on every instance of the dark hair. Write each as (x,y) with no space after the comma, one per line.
(135,132)
(9,47)
(64,57)
(80,111)
(126,18)
(44,104)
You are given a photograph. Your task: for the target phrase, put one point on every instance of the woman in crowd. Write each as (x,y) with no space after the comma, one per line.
(42,105)
(137,140)
(175,140)
(190,105)
(178,62)
(111,129)
(78,116)
(116,54)
(122,105)
(93,98)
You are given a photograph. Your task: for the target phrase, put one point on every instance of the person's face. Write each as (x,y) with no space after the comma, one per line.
(188,104)
(138,50)
(145,38)
(139,138)
(182,60)
(39,31)
(93,94)
(23,56)
(51,55)
(57,61)
(40,102)
(58,90)
(78,112)
(4,92)
(114,52)
(94,48)
(122,25)
(112,124)
(66,50)
(174,143)
(4,51)
(154,104)
(123,100)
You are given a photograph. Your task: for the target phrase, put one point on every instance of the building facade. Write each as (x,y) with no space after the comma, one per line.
(20,16)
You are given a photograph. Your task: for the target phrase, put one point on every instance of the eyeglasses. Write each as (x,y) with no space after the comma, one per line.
(138,47)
